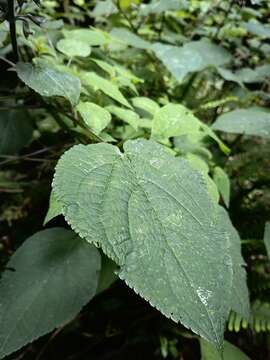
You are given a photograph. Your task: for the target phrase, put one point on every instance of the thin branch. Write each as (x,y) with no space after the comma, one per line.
(7,61)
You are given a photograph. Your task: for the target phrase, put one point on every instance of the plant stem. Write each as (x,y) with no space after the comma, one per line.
(12,29)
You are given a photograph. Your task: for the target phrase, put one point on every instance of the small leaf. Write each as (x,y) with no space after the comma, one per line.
(90,37)
(55,209)
(107,274)
(106,86)
(128,116)
(72,48)
(222,181)
(126,36)
(174,120)
(55,274)
(16,131)
(164,231)
(104,8)
(266,238)
(193,56)
(257,28)
(48,81)
(94,116)
(240,295)
(230,352)
(146,104)
(251,121)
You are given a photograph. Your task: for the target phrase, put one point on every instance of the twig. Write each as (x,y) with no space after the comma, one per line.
(7,61)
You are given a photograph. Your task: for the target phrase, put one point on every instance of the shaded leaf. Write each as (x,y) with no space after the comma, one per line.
(231,352)
(240,295)
(257,28)
(92,37)
(94,116)
(145,104)
(64,279)
(251,121)
(48,81)
(72,47)
(222,181)
(15,131)
(128,116)
(193,56)
(266,238)
(129,38)
(106,86)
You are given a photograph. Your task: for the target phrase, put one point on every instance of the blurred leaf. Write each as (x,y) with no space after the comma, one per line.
(266,238)
(128,116)
(55,274)
(222,181)
(193,56)
(94,116)
(124,4)
(106,86)
(257,28)
(240,293)
(175,120)
(16,131)
(72,48)
(129,38)
(90,37)
(104,8)
(251,121)
(146,104)
(107,274)
(231,352)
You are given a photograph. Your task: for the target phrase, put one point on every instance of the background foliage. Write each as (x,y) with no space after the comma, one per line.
(175,71)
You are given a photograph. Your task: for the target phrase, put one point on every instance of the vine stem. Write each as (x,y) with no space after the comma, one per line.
(12,29)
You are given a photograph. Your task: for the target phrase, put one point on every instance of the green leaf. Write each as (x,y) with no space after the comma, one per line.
(55,209)
(240,295)
(222,181)
(106,86)
(107,274)
(257,28)
(175,120)
(129,38)
(251,121)
(193,56)
(55,274)
(104,8)
(94,116)
(152,214)
(90,37)
(247,75)
(72,48)
(197,163)
(231,352)
(128,116)
(266,238)
(158,7)
(145,104)
(48,81)
(15,131)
